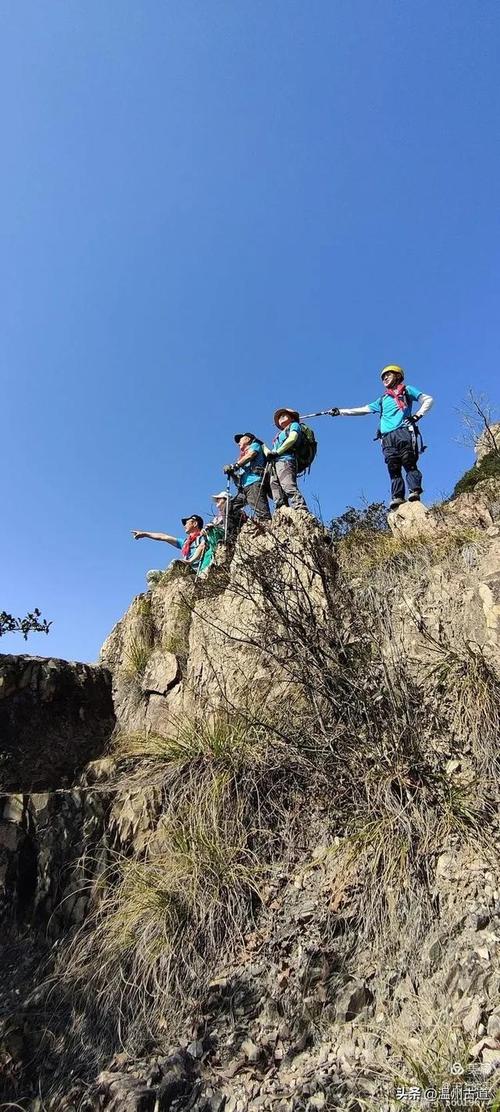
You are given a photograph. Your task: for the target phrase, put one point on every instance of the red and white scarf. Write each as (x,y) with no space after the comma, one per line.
(189,541)
(399,394)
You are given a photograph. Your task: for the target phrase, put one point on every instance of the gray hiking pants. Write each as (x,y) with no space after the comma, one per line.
(254,497)
(284,489)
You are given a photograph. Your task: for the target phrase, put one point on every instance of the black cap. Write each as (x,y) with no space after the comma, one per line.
(239,435)
(197,518)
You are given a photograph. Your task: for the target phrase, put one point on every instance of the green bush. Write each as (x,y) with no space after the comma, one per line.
(489,468)
(371,518)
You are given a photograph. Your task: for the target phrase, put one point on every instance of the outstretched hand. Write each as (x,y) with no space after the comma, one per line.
(137,535)
(335,412)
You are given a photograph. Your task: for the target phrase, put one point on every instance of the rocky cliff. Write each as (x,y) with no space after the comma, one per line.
(276,884)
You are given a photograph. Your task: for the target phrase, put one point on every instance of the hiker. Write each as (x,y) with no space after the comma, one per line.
(214,535)
(283,460)
(229,516)
(398,431)
(249,474)
(192,545)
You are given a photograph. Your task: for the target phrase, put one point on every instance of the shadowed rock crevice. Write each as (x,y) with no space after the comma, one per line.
(55,716)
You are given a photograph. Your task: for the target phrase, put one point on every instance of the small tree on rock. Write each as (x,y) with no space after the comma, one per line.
(31,623)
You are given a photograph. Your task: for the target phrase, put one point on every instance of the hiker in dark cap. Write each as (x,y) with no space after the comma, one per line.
(249,473)
(192,546)
(283,458)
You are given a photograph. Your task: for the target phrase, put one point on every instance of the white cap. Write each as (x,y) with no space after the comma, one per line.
(221,494)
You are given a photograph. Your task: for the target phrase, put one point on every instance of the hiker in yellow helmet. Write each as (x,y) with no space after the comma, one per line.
(398,431)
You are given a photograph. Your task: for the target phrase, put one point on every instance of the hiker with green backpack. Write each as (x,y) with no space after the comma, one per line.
(292,452)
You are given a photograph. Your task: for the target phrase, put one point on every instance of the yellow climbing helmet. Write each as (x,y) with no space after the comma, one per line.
(395,369)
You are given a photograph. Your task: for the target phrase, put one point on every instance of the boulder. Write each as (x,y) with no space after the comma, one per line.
(160,673)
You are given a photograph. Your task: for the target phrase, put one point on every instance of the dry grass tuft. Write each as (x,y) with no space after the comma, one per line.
(362,550)
(470,692)
(168,917)
(227,738)
(383,866)
(138,654)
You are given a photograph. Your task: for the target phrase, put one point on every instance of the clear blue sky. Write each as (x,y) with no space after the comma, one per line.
(209,208)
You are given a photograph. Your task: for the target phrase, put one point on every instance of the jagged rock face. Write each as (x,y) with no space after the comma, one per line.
(477,510)
(43,883)
(55,716)
(461,604)
(201,644)
(200,638)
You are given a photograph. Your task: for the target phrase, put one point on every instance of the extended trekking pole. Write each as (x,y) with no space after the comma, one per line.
(263,479)
(321,413)
(226,515)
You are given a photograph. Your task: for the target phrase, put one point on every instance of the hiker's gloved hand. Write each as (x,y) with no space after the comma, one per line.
(228,469)
(335,412)
(272,456)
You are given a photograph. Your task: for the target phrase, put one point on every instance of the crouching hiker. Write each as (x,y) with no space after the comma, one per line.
(283,458)
(398,431)
(229,516)
(192,546)
(250,474)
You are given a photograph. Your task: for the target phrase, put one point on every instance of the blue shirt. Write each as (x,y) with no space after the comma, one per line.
(248,475)
(282,436)
(180,542)
(391,416)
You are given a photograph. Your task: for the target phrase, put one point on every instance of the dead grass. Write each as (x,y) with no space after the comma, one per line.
(170,915)
(137,656)
(470,691)
(383,866)
(435,1058)
(363,550)
(228,738)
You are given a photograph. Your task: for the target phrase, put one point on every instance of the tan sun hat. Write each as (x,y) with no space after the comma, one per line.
(221,494)
(292,413)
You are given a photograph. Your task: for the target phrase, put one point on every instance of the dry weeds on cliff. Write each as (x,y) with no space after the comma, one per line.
(340,729)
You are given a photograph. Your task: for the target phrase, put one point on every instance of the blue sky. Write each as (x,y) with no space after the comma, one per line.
(209,208)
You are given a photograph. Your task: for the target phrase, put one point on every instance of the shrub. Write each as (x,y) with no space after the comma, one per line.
(488,468)
(372,518)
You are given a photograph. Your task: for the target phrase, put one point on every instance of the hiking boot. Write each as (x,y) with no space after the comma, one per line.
(414,496)
(396,503)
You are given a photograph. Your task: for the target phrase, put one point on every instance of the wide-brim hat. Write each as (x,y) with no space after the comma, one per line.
(238,435)
(395,368)
(221,494)
(293,414)
(196,517)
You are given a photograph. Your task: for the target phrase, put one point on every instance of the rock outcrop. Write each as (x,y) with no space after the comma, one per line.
(55,716)
(279,876)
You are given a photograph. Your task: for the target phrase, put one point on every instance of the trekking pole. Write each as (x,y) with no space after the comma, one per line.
(320,413)
(226,515)
(263,479)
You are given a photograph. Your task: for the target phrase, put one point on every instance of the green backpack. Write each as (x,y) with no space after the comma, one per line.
(306,448)
(214,537)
